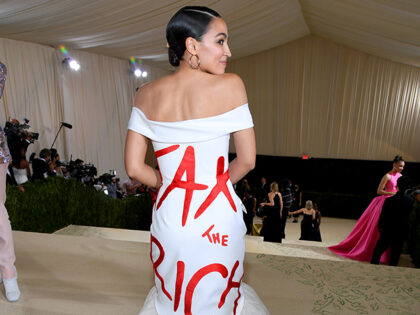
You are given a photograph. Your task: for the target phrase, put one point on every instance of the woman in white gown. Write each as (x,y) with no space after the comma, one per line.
(198,232)
(21,169)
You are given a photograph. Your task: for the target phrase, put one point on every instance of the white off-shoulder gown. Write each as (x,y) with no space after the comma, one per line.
(197,231)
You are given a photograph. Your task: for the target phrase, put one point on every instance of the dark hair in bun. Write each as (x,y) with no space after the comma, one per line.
(190,21)
(397,159)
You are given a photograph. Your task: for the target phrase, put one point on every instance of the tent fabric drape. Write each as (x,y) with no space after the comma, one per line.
(126,28)
(315,97)
(310,96)
(96,100)
(386,28)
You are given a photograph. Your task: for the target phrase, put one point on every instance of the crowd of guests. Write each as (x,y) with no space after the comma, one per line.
(275,203)
(49,164)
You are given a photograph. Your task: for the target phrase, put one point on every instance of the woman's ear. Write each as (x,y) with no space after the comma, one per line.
(191,44)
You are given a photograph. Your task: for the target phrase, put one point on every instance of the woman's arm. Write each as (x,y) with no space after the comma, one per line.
(313,214)
(134,156)
(381,188)
(271,198)
(244,140)
(297,211)
(244,162)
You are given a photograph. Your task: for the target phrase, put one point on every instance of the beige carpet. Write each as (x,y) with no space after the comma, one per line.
(333,231)
(67,274)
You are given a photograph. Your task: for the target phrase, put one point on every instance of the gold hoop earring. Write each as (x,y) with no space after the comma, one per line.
(194,67)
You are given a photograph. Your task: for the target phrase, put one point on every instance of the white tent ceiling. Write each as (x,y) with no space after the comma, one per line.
(125,28)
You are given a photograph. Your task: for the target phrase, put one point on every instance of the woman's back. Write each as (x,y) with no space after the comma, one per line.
(306,226)
(277,204)
(182,96)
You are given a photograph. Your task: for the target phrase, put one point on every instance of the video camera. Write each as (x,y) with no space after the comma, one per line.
(17,132)
(106,178)
(79,170)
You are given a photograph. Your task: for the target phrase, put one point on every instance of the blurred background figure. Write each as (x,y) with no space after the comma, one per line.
(250,203)
(316,232)
(306,226)
(21,169)
(41,165)
(393,223)
(130,187)
(8,271)
(297,202)
(287,199)
(271,212)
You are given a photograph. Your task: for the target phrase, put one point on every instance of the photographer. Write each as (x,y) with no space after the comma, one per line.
(18,137)
(117,187)
(112,188)
(55,165)
(131,186)
(41,165)
(82,172)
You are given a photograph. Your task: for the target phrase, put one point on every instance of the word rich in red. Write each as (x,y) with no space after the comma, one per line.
(194,280)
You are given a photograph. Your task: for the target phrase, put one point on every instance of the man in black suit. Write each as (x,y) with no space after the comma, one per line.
(40,166)
(393,223)
(264,190)
(287,199)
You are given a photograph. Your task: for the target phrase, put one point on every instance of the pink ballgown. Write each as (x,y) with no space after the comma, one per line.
(362,239)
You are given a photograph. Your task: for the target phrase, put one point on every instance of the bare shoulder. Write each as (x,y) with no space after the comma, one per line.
(147,92)
(387,176)
(234,91)
(233,80)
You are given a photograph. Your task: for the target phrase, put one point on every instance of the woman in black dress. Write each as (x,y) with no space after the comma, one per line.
(309,216)
(316,233)
(272,215)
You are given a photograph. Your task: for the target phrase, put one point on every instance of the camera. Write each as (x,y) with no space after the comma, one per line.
(106,178)
(17,132)
(79,170)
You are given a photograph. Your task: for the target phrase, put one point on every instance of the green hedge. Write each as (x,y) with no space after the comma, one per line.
(51,204)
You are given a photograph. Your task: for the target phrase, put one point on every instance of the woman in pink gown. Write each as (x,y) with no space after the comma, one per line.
(361,241)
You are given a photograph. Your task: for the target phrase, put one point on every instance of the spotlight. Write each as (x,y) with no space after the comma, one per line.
(74,65)
(138,73)
(144,74)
